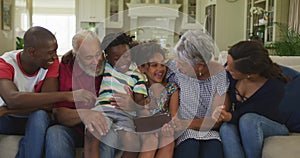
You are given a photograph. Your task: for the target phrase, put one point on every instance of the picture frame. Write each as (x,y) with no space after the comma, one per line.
(6,14)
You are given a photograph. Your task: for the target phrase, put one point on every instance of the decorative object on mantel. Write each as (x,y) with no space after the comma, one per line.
(256,10)
(231,1)
(260,18)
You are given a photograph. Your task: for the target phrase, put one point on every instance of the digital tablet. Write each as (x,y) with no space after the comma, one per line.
(151,123)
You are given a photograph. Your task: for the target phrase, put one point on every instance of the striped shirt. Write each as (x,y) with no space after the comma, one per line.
(114,82)
(196,98)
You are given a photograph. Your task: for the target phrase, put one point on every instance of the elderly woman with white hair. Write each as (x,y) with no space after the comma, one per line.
(203,85)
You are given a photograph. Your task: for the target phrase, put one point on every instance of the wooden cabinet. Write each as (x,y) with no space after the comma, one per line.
(91,10)
(191,14)
(114,13)
(264,18)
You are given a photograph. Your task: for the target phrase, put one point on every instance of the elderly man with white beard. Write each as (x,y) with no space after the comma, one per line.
(80,68)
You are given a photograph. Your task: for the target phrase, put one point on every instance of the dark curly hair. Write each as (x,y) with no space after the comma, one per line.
(115,39)
(251,57)
(143,52)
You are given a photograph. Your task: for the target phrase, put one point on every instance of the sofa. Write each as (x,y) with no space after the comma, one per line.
(274,147)
(9,146)
(284,146)
(287,146)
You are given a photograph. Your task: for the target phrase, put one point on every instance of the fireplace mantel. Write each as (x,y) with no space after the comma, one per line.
(151,10)
(149,21)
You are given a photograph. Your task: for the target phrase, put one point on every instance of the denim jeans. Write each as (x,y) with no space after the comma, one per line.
(34,130)
(61,142)
(193,148)
(247,139)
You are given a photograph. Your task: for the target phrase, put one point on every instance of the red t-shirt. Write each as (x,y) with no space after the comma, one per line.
(11,60)
(72,77)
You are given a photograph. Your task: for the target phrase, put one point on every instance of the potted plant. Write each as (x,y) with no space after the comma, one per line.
(286,51)
(19,43)
(289,45)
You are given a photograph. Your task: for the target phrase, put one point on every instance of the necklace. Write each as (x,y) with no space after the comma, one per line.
(242,97)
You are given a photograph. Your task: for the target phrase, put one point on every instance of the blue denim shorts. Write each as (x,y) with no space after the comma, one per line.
(116,118)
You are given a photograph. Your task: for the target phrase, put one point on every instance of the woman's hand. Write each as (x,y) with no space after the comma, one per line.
(167,130)
(216,115)
(180,124)
(221,115)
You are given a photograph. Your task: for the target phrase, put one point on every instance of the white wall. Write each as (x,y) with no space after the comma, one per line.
(230,23)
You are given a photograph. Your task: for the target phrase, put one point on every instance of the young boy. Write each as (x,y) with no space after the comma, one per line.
(116,77)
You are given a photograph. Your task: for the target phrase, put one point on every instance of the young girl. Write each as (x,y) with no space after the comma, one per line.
(150,59)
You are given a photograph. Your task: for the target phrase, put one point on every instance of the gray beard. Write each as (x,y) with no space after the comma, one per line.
(90,72)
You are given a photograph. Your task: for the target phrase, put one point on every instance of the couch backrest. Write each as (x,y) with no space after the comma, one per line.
(290,104)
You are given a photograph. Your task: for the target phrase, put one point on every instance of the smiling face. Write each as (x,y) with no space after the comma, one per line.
(155,69)
(232,70)
(41,45)
(90,57)
(45,54)
(119,57)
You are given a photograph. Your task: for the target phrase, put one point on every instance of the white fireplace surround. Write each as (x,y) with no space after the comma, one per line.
(151,10)
(149,17)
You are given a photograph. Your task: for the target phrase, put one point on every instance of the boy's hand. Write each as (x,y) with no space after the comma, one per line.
(124,101)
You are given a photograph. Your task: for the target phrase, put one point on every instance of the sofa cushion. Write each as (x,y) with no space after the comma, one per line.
(282,146)
(290,104)
(9,145)
(289,72)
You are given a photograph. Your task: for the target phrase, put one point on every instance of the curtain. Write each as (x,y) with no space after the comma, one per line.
(294,15)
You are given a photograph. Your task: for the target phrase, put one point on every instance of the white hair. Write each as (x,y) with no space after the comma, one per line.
(81,36)
(195,46)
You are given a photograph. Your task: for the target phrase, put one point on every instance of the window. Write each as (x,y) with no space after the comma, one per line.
(62,26)
(58,17)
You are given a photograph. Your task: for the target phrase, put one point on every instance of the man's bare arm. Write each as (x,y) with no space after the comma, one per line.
(15,99)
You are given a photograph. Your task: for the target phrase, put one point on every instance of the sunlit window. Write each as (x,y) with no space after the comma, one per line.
(62,26)
(58,16)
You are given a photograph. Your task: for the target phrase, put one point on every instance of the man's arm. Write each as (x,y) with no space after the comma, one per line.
(71,119)
(94,120)
(50,85)
(15,99)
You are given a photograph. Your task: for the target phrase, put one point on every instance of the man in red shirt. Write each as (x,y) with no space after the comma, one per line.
(80,68)
(28,81)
